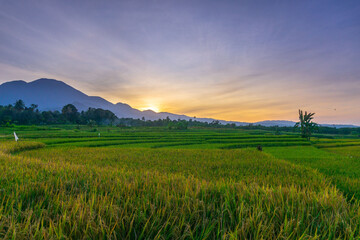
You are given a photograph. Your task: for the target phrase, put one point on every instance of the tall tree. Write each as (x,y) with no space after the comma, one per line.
(306,124)
(70,112)
(19,105)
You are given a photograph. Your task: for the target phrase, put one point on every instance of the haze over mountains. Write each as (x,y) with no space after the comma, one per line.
(50,94)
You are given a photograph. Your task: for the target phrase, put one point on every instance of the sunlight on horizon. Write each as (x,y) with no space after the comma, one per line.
(151,107)
(241,61)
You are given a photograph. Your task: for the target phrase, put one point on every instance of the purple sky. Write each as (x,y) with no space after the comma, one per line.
(233,60)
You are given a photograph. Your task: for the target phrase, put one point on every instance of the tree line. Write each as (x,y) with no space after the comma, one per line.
(19,113)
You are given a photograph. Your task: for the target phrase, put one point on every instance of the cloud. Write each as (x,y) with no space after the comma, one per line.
(231,61)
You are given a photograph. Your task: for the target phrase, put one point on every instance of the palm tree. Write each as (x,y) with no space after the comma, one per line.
(306,124)
(19,105)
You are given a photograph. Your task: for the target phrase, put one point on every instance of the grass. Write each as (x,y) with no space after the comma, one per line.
(210,165)
(158,138)
(58,183)
(343,171)
(13,147)
(350,152)
(81,199)
(334,145)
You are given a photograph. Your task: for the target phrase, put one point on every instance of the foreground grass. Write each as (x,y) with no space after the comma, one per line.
(340,165)
(77,193)
(13,147)
(248,166)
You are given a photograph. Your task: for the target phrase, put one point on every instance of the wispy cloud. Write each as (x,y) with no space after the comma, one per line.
(230,60)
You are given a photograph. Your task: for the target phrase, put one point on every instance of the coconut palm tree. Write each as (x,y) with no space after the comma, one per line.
(306,124)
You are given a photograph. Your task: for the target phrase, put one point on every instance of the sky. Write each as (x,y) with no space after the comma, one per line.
(231,60)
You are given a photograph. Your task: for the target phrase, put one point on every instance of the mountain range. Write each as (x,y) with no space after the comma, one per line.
(51,94)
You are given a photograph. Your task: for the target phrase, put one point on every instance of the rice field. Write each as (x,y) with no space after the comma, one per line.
(342,169)
(70,183)
(158,138)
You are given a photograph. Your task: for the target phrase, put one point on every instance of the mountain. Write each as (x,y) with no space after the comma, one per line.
(339,125)
(285,123)
(279,123)
(51,94)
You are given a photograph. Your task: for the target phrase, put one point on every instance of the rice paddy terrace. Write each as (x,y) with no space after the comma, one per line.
(71,182)
(158,138)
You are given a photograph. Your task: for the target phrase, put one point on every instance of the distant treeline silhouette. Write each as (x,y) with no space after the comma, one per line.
(23,115)
(19,113)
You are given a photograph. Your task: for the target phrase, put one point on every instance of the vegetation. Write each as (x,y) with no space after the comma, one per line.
(342,170)
(53,194)
(306,124)
(66,182)
(20,114)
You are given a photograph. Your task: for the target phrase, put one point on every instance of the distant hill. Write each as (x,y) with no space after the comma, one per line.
(280,123)
(285,123)
(50,94)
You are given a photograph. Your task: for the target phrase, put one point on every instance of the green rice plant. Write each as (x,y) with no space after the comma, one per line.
(162,139)
(13,147)
(160,184)
(209,164)
(337,144)
(349,152)
(246,195)
(344,172)
(265,144)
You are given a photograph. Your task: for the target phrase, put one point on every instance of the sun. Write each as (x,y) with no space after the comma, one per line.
(151,107)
